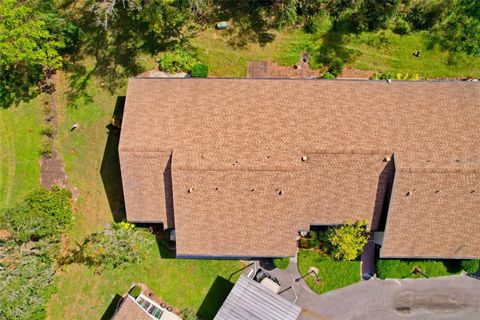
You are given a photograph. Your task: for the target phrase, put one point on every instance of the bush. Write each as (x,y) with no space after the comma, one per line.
(199,71)
(336,67)
(401,26)
(42,213)
(328,75)
(118,244)
(470,266)
(47,148)
(48,131)
(383,76)
(281,263)
(176,61)
(135,291)
(320,22)
(346,242)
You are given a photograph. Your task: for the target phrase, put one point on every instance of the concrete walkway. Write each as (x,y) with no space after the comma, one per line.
(454,297)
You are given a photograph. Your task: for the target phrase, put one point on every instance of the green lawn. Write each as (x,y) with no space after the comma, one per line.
(90,156)
(399,268)
(198,284)
(379,51)
(333,274)
(20,142)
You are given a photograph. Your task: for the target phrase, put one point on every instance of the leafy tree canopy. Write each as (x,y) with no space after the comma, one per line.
(31,37)
(346,242)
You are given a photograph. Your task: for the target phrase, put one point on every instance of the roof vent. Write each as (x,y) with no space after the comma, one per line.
(252,190)
(280,193)
(190,190)
(386,159)
(216,189)
(389,80)
(304,158)
(437,191)
(408,193)
(473,191)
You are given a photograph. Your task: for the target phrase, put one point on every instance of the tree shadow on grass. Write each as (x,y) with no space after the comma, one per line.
(334,46)
(112,307)
(214,299)
(248,23)
(110,167)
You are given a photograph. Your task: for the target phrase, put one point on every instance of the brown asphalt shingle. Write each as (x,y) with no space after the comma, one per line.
(243,134)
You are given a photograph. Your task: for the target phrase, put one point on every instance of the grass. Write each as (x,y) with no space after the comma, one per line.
(281,263)
(333,274)
(198,284)
(87,151)
(20,142)
(381,51)
(399,268)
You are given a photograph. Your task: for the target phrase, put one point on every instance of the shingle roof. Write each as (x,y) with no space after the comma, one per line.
(242,134)
(434,213)
(129,310)
(249,300)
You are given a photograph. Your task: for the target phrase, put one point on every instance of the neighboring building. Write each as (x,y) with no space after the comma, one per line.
(239,166)
(249,300)
(143,306)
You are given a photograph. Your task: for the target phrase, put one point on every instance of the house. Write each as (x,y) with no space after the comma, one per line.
(239,166)
(142,304)
(249,300)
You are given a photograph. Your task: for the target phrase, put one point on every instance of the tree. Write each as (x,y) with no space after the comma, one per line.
(470,266)
(459,32)
(42,213)
(346,242)
(31,35)
(118,244)
(28,257)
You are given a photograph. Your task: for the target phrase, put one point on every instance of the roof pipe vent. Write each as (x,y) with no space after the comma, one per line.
(280,193)
(387,159)
(190,190)
(304,158)
(408,193)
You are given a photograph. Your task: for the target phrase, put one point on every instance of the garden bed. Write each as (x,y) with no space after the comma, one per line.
(333,274)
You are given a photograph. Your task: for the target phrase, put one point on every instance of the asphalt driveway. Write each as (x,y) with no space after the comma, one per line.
(454,297)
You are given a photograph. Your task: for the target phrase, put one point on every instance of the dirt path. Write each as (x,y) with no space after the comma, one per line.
(52,171)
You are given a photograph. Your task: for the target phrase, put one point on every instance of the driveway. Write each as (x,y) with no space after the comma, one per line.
(454,297)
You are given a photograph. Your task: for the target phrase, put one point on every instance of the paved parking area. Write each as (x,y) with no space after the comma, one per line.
(454,297)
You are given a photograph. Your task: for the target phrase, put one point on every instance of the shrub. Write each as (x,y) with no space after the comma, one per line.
(281,263)
(199,71)
(47,148)
(48,131)
(383,76)
(42,213)
(470,266)
(115,246)
(401,26)
(346,242)
(328,75)
(336,67)
(135,291)
(320,22)
(176,61)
